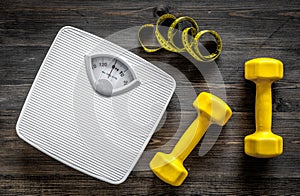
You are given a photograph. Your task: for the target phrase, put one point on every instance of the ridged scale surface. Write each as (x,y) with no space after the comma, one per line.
(65,118)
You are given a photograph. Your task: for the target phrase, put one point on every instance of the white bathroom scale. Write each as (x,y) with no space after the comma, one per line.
(94,105)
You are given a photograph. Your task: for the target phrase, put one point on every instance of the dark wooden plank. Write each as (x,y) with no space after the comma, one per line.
(248,29)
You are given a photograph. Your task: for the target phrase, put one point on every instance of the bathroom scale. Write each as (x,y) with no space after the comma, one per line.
(94,105)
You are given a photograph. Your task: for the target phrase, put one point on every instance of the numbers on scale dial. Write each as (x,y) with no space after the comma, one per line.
(110,75)
(113,70)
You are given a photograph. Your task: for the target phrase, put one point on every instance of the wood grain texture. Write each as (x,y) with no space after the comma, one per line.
(249,29)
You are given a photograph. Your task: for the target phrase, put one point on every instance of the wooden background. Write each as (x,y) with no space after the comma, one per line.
(249,29)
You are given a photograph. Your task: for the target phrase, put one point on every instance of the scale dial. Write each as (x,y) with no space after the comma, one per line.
(110,75)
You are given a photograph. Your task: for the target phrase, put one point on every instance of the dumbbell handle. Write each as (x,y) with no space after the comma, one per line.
(263,106)
(191,137)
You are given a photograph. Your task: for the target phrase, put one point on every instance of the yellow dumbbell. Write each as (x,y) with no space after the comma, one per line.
(169,167)
(263,143)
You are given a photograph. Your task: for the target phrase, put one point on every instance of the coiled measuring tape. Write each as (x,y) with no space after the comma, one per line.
(190,37)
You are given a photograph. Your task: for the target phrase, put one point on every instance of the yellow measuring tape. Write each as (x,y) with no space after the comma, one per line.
(190,37)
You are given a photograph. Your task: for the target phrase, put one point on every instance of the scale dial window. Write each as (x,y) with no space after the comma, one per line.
(110,75)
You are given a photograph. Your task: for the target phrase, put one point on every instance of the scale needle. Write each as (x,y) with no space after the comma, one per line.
(112,68)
